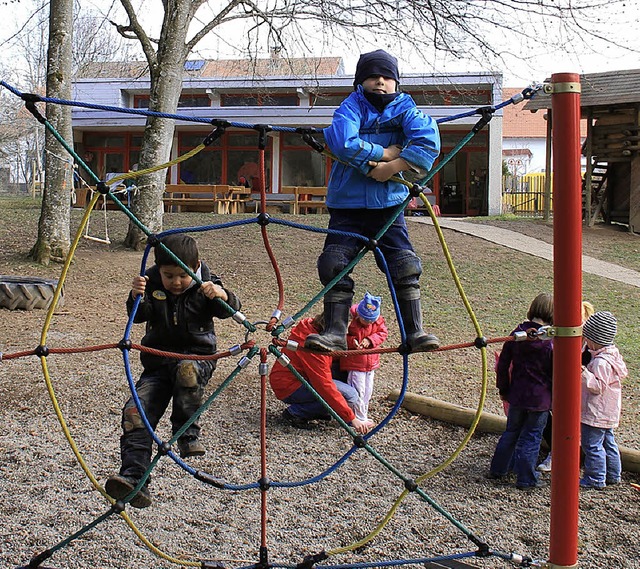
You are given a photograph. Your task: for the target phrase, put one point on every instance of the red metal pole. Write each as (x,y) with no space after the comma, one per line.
(567,316)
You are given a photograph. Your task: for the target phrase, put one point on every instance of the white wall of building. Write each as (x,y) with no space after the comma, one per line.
(537,147)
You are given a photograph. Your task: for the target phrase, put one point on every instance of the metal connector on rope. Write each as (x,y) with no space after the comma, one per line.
(238,317)
(520,336)
(550,332)
(235,350)
(530,92)
(283,360)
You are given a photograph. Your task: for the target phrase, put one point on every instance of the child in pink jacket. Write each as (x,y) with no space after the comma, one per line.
(601,402)
(366,330)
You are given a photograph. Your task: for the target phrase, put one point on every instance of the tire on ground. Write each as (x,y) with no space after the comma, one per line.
(27,293)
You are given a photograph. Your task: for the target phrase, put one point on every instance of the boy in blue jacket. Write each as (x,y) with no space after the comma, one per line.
(380,133)
(179,317)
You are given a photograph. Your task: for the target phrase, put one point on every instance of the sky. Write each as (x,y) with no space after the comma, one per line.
(533,52)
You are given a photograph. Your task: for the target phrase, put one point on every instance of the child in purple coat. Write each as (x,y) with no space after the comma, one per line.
(524,375)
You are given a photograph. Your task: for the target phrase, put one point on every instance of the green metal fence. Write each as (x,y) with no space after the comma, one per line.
(524,195)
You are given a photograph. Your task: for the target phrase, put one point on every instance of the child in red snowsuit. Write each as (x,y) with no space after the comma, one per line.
(366,330)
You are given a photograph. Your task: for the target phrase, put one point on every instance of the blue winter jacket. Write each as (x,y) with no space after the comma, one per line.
(360,133)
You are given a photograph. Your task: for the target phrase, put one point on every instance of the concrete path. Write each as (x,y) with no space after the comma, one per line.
(532,246)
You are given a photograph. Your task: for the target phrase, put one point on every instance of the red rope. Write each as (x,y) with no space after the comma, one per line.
(265,238)
(346,353)
(263,449)
(180,356)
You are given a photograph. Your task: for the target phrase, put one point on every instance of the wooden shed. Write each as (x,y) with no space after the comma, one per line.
(610,102)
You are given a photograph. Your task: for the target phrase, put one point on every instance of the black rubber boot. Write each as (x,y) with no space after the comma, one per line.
(417,339)
(336,318)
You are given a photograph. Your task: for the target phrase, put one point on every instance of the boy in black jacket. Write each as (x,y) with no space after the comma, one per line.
(179,317)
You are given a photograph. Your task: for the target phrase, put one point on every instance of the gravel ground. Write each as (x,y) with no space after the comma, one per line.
(47,497)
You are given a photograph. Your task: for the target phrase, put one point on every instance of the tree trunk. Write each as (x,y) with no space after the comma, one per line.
(53,228)
(166,85)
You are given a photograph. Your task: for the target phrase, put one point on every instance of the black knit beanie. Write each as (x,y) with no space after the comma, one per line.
(376,63)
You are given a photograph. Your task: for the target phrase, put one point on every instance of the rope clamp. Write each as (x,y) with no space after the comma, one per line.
(283,360)
(567,87)
(520,336)
(263,368)
(565,331)
(549,332)
(277,314)
(238,317)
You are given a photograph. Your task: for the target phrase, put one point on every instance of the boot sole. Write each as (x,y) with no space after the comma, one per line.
(119,489)
(318,346)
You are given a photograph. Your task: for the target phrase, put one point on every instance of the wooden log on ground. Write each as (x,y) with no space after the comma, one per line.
(489,422)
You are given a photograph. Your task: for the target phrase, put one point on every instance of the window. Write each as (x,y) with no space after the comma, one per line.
(301,165)
(327,99)
(233,159)
(259,100)
(186,100)
(194,100)
(434,96)
(141,101)
(450,139)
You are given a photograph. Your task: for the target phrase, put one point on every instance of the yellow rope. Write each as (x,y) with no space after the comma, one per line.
(56,406)
(387,518)
(135,173)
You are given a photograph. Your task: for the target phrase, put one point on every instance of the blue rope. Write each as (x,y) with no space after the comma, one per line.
(527,93)
(398,562)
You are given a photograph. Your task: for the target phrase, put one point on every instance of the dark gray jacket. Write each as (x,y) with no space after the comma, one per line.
(183,323)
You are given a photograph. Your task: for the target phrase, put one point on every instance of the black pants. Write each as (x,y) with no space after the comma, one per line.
(155,390)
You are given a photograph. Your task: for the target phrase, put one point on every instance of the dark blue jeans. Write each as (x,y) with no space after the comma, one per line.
(303,404)
(339,250)
(155,390)
(519,445)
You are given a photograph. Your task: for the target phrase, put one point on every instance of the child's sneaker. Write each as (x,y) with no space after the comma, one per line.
(119,487)
(190,448)
(297,422)
(590,485)
(545,465)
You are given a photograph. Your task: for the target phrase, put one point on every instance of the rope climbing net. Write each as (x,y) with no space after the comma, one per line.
(250,352)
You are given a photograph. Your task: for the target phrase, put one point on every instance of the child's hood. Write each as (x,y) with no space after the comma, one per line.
(612,356)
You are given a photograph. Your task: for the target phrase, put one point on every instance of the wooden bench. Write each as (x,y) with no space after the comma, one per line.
(199,197)
(309,198)
(240,198)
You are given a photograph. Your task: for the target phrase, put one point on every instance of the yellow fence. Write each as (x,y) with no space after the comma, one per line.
(524,195)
